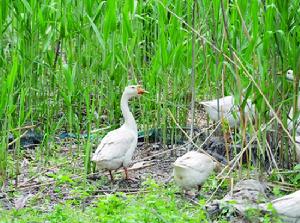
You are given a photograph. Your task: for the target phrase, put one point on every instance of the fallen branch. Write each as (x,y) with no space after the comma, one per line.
(15,140)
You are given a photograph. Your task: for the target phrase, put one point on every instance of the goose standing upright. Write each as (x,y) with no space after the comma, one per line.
(117,147)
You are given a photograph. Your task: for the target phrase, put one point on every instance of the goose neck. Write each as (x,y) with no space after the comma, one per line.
(129,120)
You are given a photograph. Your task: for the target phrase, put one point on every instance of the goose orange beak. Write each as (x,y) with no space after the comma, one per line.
(140,90)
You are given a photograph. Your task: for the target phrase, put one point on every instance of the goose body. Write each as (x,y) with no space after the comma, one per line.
(226,109)
(192,169)
(288,207)
(291,125)
(117,147)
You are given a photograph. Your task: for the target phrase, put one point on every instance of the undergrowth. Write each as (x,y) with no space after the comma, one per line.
(157,204)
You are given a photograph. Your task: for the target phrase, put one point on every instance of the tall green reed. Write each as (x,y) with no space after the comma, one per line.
(109,44)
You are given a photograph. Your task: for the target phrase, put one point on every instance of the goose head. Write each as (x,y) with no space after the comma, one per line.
(290,75)
(134,91)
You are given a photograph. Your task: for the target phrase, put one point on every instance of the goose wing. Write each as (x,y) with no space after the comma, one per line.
(225,103)
(114,145)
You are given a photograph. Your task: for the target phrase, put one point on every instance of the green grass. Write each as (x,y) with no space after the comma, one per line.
(62,62)
(158,204)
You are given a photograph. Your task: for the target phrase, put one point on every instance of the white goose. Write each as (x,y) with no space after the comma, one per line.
(117,147)
(290,76)
(227,110)
(192,169)
(288,207)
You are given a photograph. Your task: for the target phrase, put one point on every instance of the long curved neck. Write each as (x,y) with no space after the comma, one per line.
(128,117)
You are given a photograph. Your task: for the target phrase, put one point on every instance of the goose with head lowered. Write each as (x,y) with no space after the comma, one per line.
(294,122)
(192,169)
(287,207)
(117,147)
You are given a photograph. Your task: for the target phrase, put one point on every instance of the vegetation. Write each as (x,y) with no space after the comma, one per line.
(64,64)
(156,205)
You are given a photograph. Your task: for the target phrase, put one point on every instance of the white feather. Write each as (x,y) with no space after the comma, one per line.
(192,169)
(227,110)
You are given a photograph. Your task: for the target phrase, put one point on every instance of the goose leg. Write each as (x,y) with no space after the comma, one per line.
(126,173)
(111,176)
(199,188)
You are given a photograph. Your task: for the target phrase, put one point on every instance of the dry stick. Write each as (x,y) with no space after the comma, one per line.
(273,159)
(212,132)
(285,187)
(235,160)
(24,127)
(99,130)
(243,22)
(261,150)
(193,74)
(14,141)
(198,147)
(57,52)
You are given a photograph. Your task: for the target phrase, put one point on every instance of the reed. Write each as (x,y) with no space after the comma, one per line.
(62,61)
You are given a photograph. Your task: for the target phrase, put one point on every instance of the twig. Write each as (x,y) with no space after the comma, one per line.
(287,172)
(57,52)
(24,127)
(101,129)
(243,22)
(193,74)
(236,159)
(282,187)
(212,132)
(273,159)
(15,140)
